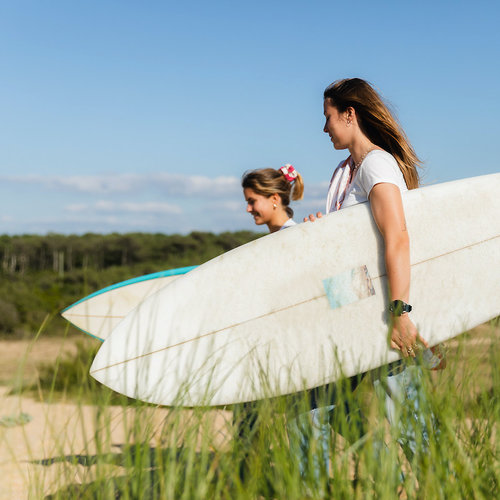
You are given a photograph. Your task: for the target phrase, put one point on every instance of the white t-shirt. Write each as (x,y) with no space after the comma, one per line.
(288,223)
(378,166)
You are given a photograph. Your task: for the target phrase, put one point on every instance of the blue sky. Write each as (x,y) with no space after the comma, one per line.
(142,116)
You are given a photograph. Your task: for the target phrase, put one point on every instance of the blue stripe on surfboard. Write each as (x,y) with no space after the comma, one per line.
(146,277)
(87,333)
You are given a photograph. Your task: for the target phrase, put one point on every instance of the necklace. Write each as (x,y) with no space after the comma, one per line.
(357,165)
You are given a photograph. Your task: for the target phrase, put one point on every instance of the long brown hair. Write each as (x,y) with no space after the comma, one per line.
(268,181)
(376,122)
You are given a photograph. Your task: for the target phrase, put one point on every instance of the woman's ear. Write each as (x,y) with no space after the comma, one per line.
(276,199)
(350,115)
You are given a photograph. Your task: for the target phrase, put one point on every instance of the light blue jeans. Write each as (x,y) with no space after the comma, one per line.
(402,393)
(310,433)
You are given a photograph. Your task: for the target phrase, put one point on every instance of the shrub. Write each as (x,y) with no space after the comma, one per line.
(9,317)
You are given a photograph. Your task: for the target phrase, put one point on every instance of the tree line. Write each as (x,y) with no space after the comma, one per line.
(65,253)
(42,274)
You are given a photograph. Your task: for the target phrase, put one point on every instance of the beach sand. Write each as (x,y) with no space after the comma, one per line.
(39,457)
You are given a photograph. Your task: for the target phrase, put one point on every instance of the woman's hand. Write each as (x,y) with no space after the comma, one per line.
(312,218)
(405,337)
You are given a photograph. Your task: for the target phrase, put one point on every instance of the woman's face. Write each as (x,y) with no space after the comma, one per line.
(261,207)
(336,126)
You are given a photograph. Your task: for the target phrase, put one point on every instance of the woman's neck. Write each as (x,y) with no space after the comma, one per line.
(277,221)
(360,148)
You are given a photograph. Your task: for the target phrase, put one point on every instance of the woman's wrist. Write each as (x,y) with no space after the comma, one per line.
(399,308)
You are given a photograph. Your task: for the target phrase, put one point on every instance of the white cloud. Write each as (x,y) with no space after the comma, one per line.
(122,202)
(148,207)
(126,207)
(228,205)
(173,184)
(106,206)
(85,184)
(317,190)
(197,184)
(76,207)
(310,205)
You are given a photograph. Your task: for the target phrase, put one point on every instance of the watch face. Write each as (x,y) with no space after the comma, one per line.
(398,307)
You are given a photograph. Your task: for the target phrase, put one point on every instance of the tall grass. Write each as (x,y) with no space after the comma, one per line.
(134,450)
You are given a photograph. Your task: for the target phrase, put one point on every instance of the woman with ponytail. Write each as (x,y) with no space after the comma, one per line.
(268,193)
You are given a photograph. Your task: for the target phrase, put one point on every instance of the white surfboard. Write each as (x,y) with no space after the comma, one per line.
(302,307)
(100,312)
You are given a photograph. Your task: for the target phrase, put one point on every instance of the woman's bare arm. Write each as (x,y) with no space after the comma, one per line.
(388,213)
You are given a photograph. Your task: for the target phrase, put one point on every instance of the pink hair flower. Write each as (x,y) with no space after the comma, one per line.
(289,172)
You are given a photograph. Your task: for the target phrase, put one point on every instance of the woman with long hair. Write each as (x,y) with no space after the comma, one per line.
(380,167)
(382,164)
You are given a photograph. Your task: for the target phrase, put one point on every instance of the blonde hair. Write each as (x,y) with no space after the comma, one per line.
(268,181)
(376,122)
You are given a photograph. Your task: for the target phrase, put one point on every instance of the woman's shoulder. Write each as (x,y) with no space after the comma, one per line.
(380,163)
(380,166)
(379,158)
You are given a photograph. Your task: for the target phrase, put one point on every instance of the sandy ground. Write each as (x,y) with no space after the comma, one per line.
(32,454)
(22,357)
(37,457)
(55,430)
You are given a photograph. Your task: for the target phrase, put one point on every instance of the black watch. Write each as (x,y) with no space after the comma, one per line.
(398,307)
